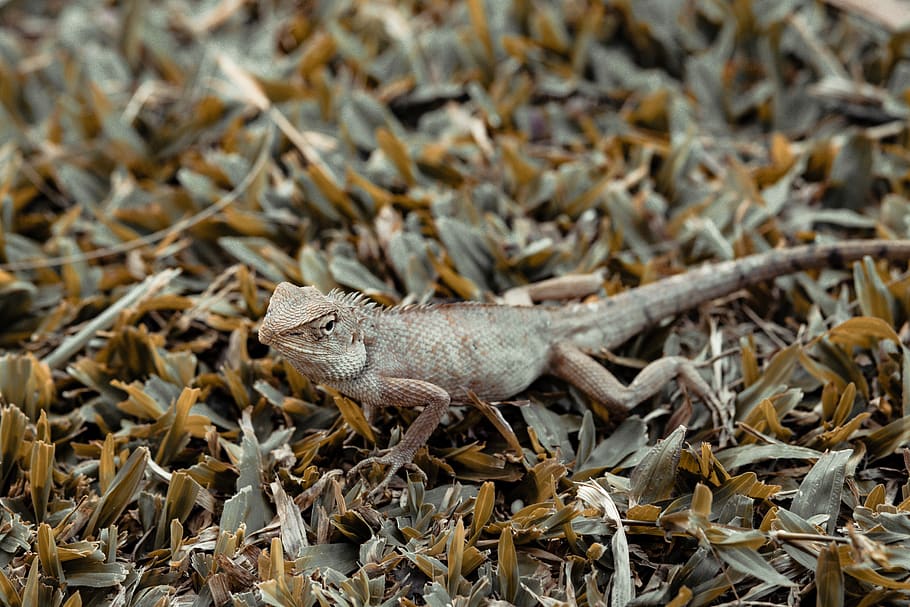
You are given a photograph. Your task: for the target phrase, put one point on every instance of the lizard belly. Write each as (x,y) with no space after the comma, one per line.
(498,377)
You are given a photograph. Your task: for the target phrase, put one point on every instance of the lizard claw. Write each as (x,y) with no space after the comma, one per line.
(394,461)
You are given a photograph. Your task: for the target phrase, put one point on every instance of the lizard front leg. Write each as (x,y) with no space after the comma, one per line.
(582,371)
(408,393)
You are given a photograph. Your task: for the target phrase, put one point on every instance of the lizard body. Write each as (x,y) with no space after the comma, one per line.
(434,355)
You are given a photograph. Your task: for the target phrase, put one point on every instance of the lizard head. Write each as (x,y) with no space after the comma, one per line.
(319,336)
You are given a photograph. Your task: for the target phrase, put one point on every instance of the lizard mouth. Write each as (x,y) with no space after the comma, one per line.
(265,335)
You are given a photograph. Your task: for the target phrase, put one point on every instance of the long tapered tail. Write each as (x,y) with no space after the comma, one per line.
(611,322)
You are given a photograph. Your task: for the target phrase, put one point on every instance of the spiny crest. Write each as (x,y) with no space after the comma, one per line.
(353,299)
(359,301)
(430,307)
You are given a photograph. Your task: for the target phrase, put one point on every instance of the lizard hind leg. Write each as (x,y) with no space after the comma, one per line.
(585,373)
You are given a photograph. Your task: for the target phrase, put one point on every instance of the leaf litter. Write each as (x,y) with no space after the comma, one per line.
(164,165)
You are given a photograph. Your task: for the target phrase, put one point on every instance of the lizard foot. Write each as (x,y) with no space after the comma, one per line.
(394,461)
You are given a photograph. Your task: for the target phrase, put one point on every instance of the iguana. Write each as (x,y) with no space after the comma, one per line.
(434,355)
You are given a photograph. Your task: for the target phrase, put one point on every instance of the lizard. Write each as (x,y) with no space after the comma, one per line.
(433,355)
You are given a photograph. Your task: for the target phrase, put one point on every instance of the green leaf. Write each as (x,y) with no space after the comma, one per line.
(121,492)
(258,512)
(745,455)
(821,490)
(628,438)
(653,479)
(748,560)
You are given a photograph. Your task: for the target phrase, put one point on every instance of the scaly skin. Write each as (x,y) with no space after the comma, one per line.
(434,355)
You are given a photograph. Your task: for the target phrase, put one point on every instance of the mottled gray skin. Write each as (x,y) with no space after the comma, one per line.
(433,355)
(428,343)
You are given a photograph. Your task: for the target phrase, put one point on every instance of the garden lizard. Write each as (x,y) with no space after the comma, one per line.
(436,354)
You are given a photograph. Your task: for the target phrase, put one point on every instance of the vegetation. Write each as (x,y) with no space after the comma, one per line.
(164,164)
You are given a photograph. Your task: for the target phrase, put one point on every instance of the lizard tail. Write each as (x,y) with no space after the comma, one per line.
(609,323)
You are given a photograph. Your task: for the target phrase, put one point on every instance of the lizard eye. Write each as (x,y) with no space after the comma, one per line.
(328,327)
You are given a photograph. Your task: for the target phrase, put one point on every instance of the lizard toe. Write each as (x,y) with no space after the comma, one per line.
(381,458)
(394,463)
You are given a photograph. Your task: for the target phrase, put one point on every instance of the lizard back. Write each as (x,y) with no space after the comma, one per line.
(494,351)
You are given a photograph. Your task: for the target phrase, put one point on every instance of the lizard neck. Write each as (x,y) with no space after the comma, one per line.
(334,368)
(347,359)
